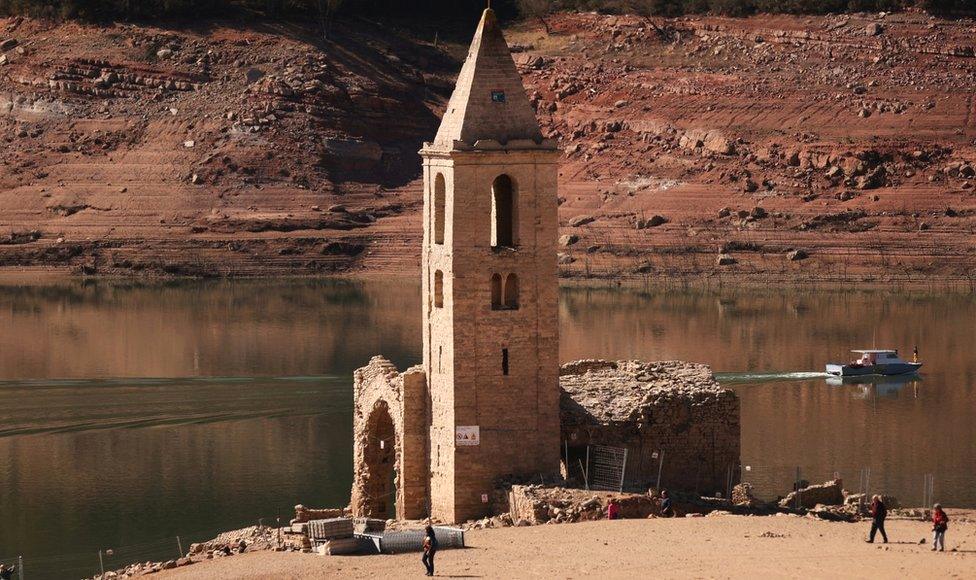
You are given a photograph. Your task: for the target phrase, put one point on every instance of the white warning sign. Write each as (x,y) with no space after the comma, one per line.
(467,435)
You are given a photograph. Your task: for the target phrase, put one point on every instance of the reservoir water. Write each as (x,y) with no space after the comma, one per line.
(132,413)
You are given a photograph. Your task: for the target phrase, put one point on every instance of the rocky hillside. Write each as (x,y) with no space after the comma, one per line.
(773,147)
(212,151)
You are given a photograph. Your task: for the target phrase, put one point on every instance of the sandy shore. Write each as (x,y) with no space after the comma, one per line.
(723,546)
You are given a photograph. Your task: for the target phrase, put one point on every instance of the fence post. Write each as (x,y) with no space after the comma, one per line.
(623,471)
(101,564)
(586,475)
(799,494)
(179,545)
(660,467)
(20,567)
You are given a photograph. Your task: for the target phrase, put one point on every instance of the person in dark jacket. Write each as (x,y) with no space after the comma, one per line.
(667,505)
(7,572)
(879,511)
(940,523)
(430,548)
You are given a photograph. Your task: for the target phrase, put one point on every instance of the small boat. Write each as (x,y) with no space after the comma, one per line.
(874,362)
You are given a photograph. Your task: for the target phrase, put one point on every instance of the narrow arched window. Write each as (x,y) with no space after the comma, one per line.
(440,195)
(496,291)
(439,289)
(511,292)
(503,213)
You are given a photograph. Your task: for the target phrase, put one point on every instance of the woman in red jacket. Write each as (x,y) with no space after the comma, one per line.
(940,523)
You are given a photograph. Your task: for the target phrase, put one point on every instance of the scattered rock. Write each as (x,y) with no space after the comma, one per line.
(581,220)
(725,260)
(651,222)
(797,255)
(568,240)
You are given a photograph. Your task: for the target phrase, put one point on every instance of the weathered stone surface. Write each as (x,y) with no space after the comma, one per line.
(536,504)
(828,493)
(672,408)
(389,440)
(742,495)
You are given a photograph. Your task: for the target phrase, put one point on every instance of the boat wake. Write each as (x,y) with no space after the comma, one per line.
(769,377)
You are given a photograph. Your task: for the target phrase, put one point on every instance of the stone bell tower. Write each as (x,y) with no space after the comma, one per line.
(491,341)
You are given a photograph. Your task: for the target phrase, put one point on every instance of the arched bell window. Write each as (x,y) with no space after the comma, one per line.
(438,289)
(512,292)
(503,213)
(496,291)
(440,196)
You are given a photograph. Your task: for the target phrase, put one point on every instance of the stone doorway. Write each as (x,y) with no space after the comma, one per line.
(390,431)
(379,469)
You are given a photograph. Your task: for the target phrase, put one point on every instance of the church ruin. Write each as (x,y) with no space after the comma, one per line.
(484,406)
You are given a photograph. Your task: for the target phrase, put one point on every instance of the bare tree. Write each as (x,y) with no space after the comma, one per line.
(537,9)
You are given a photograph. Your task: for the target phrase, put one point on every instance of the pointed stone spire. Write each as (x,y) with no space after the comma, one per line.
(489,101)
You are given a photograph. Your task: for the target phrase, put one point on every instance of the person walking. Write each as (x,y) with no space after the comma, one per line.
(430,548)
(879,511)
(667,506)
(940,523)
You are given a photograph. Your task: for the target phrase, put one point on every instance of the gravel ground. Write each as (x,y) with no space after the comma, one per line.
(724,546)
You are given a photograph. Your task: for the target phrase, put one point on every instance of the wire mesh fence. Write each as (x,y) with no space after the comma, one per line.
(606,467)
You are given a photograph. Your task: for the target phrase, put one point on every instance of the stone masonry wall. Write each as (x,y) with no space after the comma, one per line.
(672,408)
(389,433)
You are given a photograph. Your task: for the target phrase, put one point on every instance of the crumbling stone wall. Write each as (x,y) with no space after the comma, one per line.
(536,504)
(672,408)
(389,441)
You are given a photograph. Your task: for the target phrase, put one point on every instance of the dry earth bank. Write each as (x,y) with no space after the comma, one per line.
(772,147)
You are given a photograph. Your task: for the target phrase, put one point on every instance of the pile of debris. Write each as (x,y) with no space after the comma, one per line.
(828,501)
(536,504)
(333,536)
(251,539)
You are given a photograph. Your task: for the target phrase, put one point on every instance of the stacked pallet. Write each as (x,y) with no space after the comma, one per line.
(332,536)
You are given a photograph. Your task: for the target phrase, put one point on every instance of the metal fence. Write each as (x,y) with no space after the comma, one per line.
(413,540)
(605,467)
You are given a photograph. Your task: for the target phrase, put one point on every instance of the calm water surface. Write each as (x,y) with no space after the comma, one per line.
(132,413)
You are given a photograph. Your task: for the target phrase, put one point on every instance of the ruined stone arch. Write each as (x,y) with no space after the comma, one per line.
(504,212)
(390,433)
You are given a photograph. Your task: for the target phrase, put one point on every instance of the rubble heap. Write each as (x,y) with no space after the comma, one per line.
(828,493)
(672,416)
(536,504)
